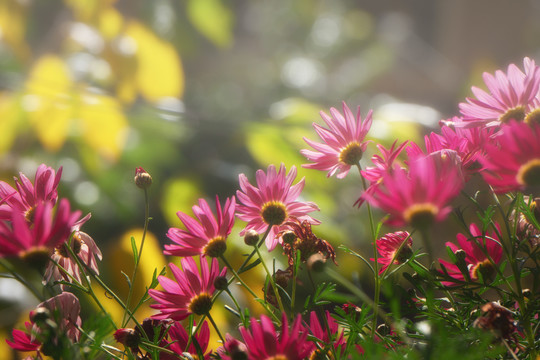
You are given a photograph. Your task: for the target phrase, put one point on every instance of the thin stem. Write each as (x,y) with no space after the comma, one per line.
(20,279)
(272,281)
(246,286)
(215,327)
(138,259)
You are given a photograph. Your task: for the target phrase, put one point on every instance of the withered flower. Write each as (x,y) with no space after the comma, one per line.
(306,242)
(497,319)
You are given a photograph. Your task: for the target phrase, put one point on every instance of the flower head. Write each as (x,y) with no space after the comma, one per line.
(34,241)
(475,258)
(394,248)
(326,334)
(264,342)
(512,161)
(272,203)
(190,292)
(27,196)
(206,236)
(512,96)
(420,195)
(343,143)
(179,339)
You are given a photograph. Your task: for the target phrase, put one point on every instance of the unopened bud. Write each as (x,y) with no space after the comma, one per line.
(288,237)
(128,337)
(316,262)
(251,238)
(39,315)
(460,255)
(221,283)
(143,180)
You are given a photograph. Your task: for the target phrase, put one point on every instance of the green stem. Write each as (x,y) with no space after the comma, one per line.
(272,281)
(138,259)
(20,279)
(215,327)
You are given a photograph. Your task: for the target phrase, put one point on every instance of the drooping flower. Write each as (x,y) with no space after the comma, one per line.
(34,241)
(475,257)
(190,292)
(512,96)
(272,203)
(232,349)
(52,320)
(420,195)
(83,246)
(264,342)
(383,164)
(512,161)
(394,248)
(343,143)
(206,236)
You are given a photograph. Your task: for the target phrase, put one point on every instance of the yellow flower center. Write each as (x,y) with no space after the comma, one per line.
(529,173)
(274,213)
(420,215)
(517,113)
(76,244)
(533,117)
(351,154)
(215,247)
(200,304)
(484,268)
(277,357)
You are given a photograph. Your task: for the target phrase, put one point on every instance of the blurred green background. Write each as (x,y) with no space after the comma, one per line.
(198,91)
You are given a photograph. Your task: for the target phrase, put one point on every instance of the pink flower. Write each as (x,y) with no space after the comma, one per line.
(28,196)
(263,342)
(475,257)
(512,161)
(178,342)
(383,164)
(511,96)
(232,349)
(343,143)
(272,203)
(190,292)
(389,244)
(327,334)
(206,236)
(83,246)
(34,241)
(62,310)
(419,196)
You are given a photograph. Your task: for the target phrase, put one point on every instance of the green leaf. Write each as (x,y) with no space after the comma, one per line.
(135,251)
(213,19)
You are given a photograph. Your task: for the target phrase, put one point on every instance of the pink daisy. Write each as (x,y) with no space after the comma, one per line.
(389,244)
(383,164)
(343,143)
(35,241)
(512,161)
(511,96)
(190,292)
(326,334)
(232,349)
(178,342)
(83,246)
(206,236)
(272,203)
(264,342)
(421,195)
(28,195)
(475,258)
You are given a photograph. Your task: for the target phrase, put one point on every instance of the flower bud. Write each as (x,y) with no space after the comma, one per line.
(316,262)
(251,238)
(143,180)
(129,338)
(288,237)
(221,283)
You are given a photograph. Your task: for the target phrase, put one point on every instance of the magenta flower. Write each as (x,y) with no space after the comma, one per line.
(512,161)
(394,248)
(28,195)
(206,236)
(263,342)
(326,334)
(272,203)
(83,246)
(421,195)
(178,342)
(511,96)
(383,164)
(34,241)
(343,143)
(190,292)
(476,251)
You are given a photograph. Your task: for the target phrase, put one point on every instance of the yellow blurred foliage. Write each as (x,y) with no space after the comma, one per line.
(57,108)
(13,27)
(212,19)
(9,113)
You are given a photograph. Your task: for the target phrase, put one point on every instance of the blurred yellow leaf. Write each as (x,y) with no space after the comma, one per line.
(48,101)
(159,70)
(110,23)
(87,10)
(104,125)
(13,26)
(212,19)
(9,113)
(179,194)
